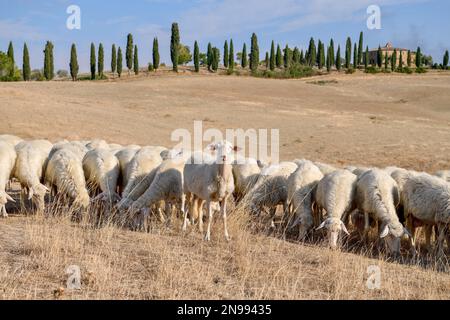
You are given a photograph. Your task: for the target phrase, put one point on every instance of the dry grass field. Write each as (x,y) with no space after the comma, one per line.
(359,119)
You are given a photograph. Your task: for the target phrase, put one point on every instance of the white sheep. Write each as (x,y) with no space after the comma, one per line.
(102,170)
(211,180)
(13,140)
(295,180)
(97,143)
(325,168)
(377,195)
(443,174)
(335,193)
(308,176)
(65,174)
(7,161)
(29,169)
(144,161)
(125,155)
(246,172)
(427,201)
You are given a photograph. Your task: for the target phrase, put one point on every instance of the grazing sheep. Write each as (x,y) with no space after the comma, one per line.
(144,162)
(325,168)
(125,155)
(97,144)
(303,197)
(166,185)
(377,196)
(427,201)
(271,189)
(65,174)
(101,170)
(359,171)
(245,173)
(13,140)
(29,169)
(335,193)
(443,174)
(7,160)
(295,180)
(211,180)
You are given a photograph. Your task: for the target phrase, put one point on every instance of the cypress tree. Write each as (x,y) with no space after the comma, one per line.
(48,61)
(254,53)
(319,53)
(366,58)
(11,57)
(225,54)
(244,57)
(322,55)
(136,61)
(155,54)
(296,55)
(100,64)
(209,57)
(418,58)
(360,48)
(196,57)
(278,57)
(355,56)
(348,53)
(231,56)
(73,63)
(287,57)
(52,65)
(174,46)
(400,61)
(266,61)
(338,59)
(312,53)
(26,70)
(129,52)
(409,59)
(329,59)
(113,59)
(394,60)
(332,51)
(92,61)
(302,57)
(445,60)
(119,62)
(216,58)
(272,56)
(386,61)
(379,57)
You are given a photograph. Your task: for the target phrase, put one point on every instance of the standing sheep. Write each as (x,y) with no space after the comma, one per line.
(101,170)
(335,193)
(7,160)
(245,173)
(377,195)
(29,169)
(65,174)
(212,181)
(427,201)
(13,140)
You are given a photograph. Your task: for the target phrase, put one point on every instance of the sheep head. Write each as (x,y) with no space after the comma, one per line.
(334,226)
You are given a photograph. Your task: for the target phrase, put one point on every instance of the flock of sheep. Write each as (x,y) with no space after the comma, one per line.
(138,181)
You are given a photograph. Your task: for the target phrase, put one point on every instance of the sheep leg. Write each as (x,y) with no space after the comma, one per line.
(3,212)
(428,233)
(223,209)
(210,218)
(199,209)
(440,246)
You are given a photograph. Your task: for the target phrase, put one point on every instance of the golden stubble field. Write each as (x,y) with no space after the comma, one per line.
(370,120)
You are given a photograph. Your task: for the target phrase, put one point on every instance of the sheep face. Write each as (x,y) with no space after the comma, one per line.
(223,151)
(392,236)
(334,227)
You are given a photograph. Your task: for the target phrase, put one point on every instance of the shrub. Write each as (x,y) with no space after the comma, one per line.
(150,67)
(37,75)
(293,72)
(421,70)
(350,71)
(62,73)
(406,70)
(372,70)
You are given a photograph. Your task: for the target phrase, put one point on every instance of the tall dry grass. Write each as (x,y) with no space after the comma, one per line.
(165,263)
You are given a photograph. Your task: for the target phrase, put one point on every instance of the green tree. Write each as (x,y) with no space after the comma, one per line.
(155,54)
(175,46)
(136,60)
(231,56)
(360,47)
(312,57)
(254,53)
(400,61)
(73,63)
(93,61)
(210,57)
(287,57)
(386,61)
(278,57)
(184,54)
(113,59)
(129,52)
(119,62)
(226,58)
(445,60)
(379,57)
(355,56)
(322,55)
(26,70)
(348,53)
(244,57)
(394,60)
(418,58)
(328,62)
(409,59)
(100,64)
(11,57)
(338,59)
(366,58)
(272,56)
(296,55)
(267,61)
(302,57)
(196,57)
(48,61)
(216,58)
(332,51)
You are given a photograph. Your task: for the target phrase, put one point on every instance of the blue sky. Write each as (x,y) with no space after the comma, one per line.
(405,23)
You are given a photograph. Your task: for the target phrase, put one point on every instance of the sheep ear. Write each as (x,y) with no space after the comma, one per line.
(236,149)
(344,228)
(385,232)
(9,198)
(322,225)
